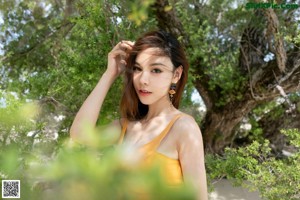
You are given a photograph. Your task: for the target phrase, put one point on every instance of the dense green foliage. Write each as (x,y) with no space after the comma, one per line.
(213,44)
(52,57)
(274,178)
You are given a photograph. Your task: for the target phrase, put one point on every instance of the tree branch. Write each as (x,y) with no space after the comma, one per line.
(273,31)
(168,20)
(270,76)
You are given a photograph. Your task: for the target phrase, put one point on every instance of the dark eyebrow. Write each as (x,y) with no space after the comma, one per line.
(153,64)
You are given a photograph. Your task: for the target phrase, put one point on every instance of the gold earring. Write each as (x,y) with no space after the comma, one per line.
(172,91)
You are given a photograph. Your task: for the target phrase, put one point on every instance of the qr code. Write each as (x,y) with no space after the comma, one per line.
(11,189)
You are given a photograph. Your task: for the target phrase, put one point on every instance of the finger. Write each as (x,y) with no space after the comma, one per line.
(125,46)
(118,52)
(127,42)
(117,46)
(131,43)
(123,62)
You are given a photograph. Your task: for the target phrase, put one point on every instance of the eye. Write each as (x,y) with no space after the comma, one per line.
(156,71)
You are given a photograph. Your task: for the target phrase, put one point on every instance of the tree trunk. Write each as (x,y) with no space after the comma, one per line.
(218,128)
(220,123)
(272,126)
(263,78)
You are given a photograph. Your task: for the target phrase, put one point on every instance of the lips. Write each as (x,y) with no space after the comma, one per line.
(144,92)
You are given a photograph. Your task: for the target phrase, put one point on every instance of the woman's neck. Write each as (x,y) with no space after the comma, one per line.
(160,108)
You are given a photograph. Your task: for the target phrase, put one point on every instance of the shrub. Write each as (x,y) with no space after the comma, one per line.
(253,167)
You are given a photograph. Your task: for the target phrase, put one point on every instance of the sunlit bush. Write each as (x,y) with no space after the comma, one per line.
(254,168)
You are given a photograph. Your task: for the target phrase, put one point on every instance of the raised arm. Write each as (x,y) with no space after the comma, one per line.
(89,111)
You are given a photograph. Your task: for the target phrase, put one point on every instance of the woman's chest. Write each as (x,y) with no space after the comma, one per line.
(159,137)
(138,135)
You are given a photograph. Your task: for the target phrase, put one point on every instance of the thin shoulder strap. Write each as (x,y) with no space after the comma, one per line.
(124,127)
(167,129)
(155,143)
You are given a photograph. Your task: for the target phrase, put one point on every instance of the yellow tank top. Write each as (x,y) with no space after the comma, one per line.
(170,168)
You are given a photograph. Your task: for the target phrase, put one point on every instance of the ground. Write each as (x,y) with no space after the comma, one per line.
(225,191)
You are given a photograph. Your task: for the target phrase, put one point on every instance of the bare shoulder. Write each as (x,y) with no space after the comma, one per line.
(186,122)
(187,129)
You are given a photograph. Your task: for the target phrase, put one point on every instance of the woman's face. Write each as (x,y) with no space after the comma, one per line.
(152,76)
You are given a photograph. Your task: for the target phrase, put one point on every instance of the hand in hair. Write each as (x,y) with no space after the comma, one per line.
(117,58)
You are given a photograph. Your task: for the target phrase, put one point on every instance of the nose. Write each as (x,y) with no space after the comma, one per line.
(144,78)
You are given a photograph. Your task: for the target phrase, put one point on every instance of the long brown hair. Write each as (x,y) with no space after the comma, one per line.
(131,107)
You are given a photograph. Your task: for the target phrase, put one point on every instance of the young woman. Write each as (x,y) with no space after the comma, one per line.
(156,71)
